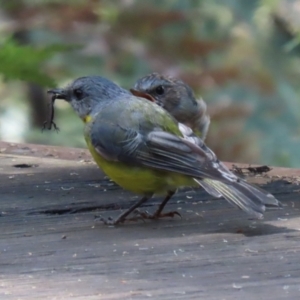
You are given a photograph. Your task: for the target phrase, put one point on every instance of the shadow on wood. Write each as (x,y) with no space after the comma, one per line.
(51,248)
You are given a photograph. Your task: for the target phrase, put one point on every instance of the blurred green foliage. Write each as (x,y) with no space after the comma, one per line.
(242,57)
(24,62)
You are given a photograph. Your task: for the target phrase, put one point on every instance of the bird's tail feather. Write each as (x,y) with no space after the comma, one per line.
(209,188)
(247,197)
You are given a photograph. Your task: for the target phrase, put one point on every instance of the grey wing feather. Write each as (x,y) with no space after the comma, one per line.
(156,149)
(189,156)
(114,142)
(179,155)
(218,181)
(247,197)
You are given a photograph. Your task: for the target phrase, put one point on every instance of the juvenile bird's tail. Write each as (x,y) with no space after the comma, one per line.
(247,197)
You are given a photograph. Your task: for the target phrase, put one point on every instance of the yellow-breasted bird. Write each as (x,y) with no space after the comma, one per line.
(178,99)
(141,147)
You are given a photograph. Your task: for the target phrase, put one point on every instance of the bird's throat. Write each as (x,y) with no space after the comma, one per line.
(87,119)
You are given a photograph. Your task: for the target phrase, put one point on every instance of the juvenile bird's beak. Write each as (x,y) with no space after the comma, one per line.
(142,95)
(59,93)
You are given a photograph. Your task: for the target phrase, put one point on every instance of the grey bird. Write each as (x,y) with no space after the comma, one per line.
(141,147)
(178,99)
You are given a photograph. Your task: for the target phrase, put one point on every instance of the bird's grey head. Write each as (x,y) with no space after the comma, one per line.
(172,94)
(86,93)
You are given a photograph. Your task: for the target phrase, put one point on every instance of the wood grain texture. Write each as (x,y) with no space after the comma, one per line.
(51,248)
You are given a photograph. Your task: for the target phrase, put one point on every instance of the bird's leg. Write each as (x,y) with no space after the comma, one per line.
(158,213)
(172,214)
(122,217)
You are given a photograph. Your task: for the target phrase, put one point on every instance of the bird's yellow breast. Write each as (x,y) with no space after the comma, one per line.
(140,180)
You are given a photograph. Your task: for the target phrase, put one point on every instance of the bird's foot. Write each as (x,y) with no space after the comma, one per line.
(112,222)
(157,215)
(170,214)
(107,221)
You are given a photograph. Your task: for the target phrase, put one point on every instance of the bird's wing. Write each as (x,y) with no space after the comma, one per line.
(187,155)
(158,149)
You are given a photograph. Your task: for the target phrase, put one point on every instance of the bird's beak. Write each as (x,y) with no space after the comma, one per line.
(142,95)
(58,93)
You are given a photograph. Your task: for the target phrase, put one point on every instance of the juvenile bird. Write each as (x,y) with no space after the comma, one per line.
(178,99)
(141,147)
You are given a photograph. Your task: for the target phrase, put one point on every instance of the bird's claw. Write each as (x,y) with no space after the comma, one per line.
(142,214)
(138,215)
(170,214)
(146,215)
(107,221)
(111,222)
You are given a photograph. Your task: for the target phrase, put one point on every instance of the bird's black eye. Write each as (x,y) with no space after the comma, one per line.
(160,90)
(78,94)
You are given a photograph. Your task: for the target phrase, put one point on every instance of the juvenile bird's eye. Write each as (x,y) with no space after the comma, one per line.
(160,90)
(78,94)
